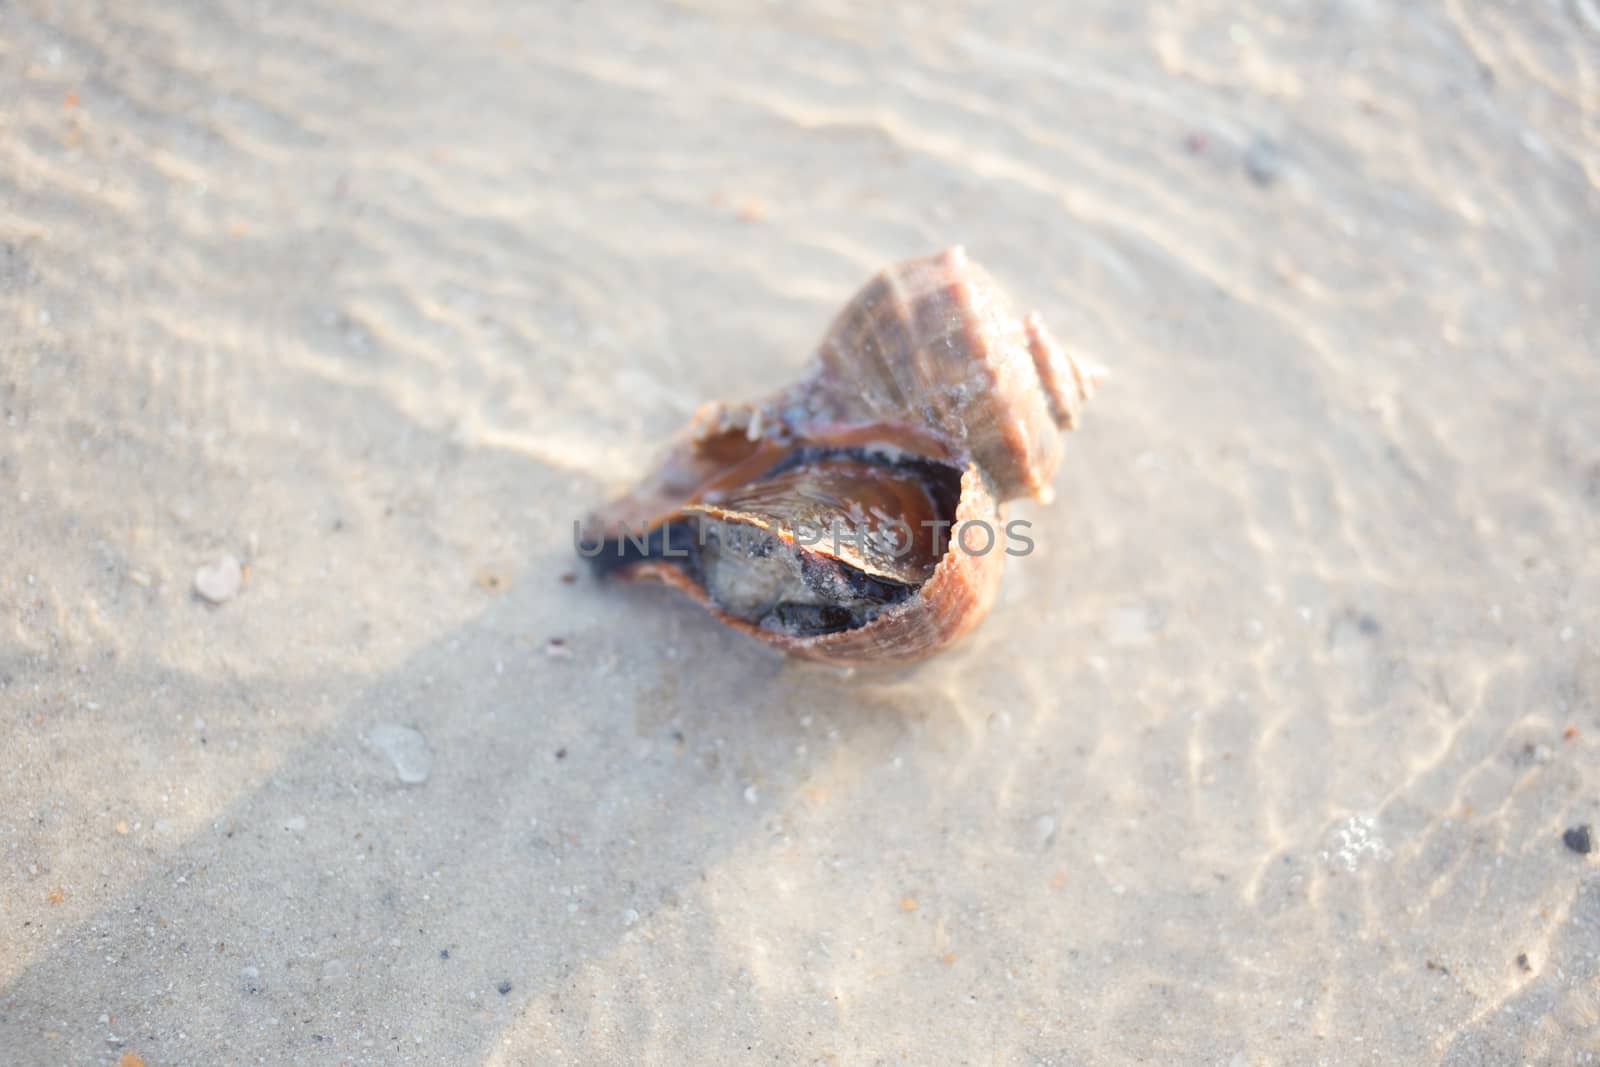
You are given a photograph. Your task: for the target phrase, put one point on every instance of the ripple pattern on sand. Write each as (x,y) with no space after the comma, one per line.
(1264,756)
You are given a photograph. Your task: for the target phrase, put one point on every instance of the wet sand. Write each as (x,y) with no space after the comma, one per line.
(1265,756)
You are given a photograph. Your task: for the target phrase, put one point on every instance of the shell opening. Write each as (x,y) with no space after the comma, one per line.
(795,572)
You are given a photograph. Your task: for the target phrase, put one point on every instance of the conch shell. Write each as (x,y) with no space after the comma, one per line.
(856,516)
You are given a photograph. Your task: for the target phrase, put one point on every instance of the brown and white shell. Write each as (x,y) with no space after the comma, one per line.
(929,405)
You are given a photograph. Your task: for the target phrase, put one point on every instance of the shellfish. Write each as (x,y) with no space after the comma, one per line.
(835,519)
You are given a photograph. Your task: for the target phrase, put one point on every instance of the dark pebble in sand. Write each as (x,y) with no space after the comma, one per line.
(444,954)
(1579,839)
(504,988)
(1263,161)
(1522,961)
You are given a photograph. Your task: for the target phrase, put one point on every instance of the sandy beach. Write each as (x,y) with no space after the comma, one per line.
(1276,751)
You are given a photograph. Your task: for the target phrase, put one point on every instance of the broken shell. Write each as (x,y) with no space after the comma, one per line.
(829,520)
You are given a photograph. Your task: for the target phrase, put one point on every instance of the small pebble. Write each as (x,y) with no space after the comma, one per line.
(1263,161)
(1579,839)
(556,648)
(504,988)
(406,748)
(220,582)
(1130,625)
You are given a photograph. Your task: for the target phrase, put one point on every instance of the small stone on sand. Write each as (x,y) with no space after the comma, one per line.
(1131,625)
(1579,839)
(406,748)
(1263,161)
(220,582)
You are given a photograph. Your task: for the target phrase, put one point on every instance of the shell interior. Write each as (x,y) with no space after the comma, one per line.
(823,541)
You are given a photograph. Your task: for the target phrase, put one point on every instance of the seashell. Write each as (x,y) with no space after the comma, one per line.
(831,519)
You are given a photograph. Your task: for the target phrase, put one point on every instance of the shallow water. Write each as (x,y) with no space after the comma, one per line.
(1264,757)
